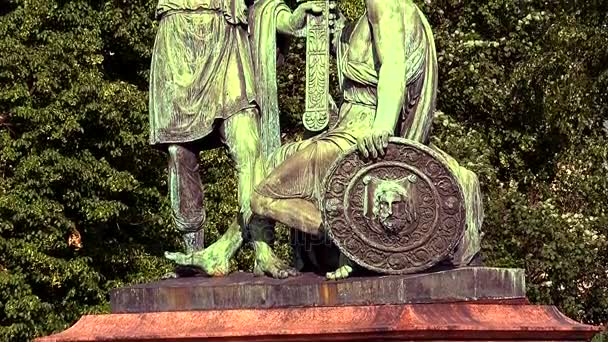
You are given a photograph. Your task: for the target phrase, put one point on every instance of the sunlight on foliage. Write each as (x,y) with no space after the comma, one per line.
(523,102)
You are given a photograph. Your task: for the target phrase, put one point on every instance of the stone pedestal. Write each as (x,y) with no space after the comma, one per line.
(469,304)
(245,291)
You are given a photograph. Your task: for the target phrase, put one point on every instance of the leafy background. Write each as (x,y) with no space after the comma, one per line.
(523,101)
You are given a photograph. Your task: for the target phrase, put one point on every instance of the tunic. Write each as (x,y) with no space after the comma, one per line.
(201,68)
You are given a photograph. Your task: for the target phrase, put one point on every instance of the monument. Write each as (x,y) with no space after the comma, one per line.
(388,226)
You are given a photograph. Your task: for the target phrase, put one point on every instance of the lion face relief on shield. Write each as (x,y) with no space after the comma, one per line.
(391,203)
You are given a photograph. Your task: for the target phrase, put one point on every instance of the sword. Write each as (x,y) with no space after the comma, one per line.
(316,115)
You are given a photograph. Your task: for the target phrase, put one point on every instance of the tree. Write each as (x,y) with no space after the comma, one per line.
(81,202)
(523,89)
(523,102)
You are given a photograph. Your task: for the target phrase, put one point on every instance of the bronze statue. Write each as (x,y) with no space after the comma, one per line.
(388,74)
(213,80)
(369,191)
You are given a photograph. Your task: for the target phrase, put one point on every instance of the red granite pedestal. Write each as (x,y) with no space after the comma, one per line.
(497,312)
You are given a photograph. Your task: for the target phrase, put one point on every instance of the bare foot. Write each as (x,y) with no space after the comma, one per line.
(267,263)
(341,273)
(213,263)
(344,271)
(214,260)
(170,275)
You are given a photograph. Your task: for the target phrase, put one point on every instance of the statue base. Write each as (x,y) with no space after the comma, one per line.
(245,291)
(468,304)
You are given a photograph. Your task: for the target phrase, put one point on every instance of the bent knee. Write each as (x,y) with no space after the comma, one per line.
(259,203)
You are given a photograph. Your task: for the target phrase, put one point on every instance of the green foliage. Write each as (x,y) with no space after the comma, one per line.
(74,162)
(523,89)
(523,99)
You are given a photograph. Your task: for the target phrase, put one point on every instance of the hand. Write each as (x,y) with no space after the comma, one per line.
(298,17)
(337,21)
(374,143)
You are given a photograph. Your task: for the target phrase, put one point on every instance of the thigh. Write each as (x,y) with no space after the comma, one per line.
(300,175)
(285,152)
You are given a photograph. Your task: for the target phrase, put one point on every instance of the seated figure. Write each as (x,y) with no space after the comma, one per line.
(388,75)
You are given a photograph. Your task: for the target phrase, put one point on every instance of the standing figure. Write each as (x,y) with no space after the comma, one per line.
(388,75)
(204,94)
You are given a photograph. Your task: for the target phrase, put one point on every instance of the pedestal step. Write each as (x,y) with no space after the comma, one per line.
(415,322)
(244,291)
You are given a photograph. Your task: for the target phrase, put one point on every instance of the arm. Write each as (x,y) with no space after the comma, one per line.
(387,19)
(284,25)
(290,23)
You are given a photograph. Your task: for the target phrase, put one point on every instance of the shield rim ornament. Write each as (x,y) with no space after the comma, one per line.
(433,261)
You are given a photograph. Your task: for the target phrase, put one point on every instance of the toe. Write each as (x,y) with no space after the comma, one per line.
(170,275)
(277,273)
(343,273)
(179,258)
(170,256)
(336,275)
(258,272)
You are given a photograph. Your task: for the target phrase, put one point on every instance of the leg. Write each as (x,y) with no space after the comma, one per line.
(306,219)
(215,260)
(241,134)
(186,195)
(296,213)
(186,192)
(290,192)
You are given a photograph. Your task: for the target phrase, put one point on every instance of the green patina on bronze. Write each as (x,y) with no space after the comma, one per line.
(386,194)
(388,89)
(213,82)
(387,70)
